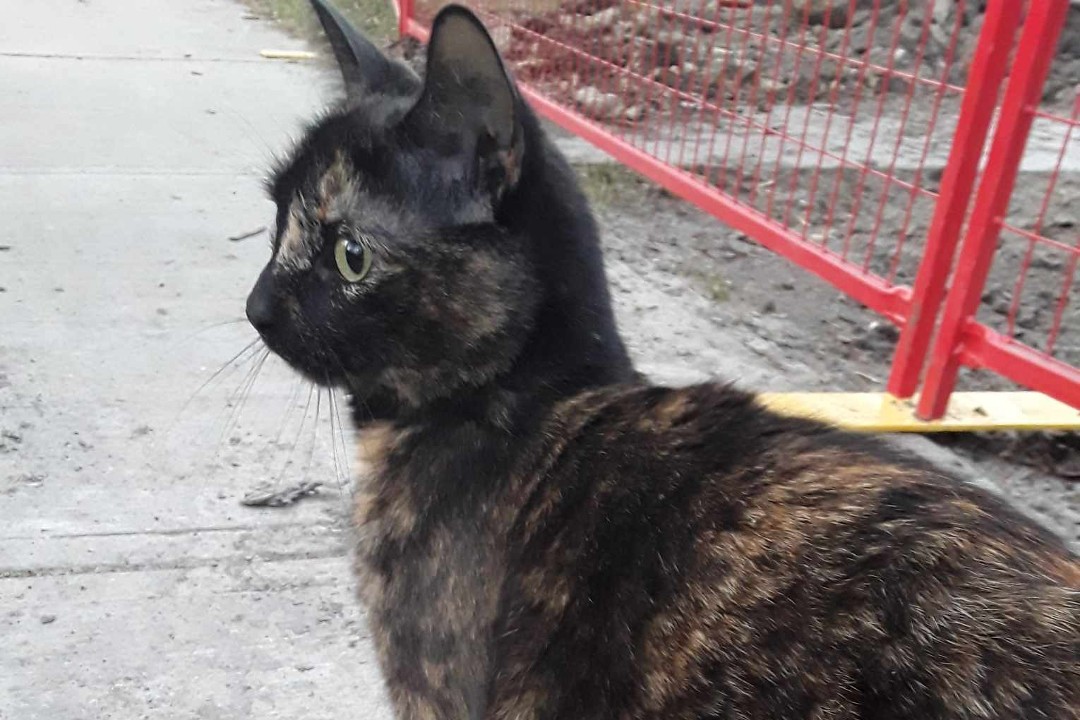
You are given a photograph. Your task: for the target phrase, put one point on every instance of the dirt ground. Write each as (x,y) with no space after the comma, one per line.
(702,48)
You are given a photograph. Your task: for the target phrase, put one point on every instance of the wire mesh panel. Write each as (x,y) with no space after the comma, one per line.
(829,121)
(836,132)
(1031,281)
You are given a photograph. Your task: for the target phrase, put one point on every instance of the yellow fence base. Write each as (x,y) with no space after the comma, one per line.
(968,411)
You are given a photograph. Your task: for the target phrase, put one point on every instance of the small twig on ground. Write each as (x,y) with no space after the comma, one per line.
(245,236)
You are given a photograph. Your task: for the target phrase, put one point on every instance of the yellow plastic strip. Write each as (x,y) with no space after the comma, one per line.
(968,411)
(288,54)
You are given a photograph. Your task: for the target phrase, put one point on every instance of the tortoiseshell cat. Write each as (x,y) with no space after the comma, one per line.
(544,535)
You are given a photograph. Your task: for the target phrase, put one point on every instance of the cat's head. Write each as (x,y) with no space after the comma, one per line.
(389,272)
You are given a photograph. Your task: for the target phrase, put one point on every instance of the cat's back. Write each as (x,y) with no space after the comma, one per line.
(710,558)
(722,462)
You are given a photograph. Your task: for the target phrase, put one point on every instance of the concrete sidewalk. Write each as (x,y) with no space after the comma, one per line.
(133,584)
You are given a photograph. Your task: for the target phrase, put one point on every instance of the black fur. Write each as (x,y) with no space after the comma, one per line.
(543,535)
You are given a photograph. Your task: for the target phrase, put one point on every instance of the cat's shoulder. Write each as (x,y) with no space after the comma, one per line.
(728,418)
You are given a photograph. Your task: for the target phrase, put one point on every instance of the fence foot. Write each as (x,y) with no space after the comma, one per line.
(967,412)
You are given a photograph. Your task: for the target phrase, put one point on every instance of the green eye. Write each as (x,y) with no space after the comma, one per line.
(353,259)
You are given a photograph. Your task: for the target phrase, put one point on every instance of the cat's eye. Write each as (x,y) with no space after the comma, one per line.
(353,259)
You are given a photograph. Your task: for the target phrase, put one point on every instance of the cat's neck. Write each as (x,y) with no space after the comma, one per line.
(575,343)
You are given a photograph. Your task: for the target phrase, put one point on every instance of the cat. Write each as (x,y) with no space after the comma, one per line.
(542,533)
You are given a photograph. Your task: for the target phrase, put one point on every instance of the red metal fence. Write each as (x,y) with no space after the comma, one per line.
(848,136)
(1030,349)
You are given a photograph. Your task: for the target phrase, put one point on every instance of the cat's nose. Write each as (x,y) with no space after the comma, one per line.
(260,303)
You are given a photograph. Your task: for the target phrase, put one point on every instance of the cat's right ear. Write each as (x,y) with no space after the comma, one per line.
(364,67)
(470,107)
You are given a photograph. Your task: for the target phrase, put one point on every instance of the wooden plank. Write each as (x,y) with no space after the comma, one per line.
(968,411)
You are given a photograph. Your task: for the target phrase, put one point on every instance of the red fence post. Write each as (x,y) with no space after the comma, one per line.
(405,13)
(1035,52)
(985,75)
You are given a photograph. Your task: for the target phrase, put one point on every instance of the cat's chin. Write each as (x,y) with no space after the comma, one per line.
(327,377)
(324,378)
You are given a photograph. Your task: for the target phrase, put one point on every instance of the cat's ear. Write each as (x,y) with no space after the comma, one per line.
(469,103)
(364,67)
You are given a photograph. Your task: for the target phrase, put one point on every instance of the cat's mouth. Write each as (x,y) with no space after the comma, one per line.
(313,363)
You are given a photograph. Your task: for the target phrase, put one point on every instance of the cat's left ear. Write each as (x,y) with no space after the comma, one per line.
(364,68)
(469,105)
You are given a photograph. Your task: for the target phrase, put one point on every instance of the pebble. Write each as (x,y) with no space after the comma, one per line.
(598,104)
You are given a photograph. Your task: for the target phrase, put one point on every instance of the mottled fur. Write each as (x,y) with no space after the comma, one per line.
(544,535)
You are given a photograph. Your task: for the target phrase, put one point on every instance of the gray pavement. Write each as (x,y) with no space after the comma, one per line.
(132,582)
